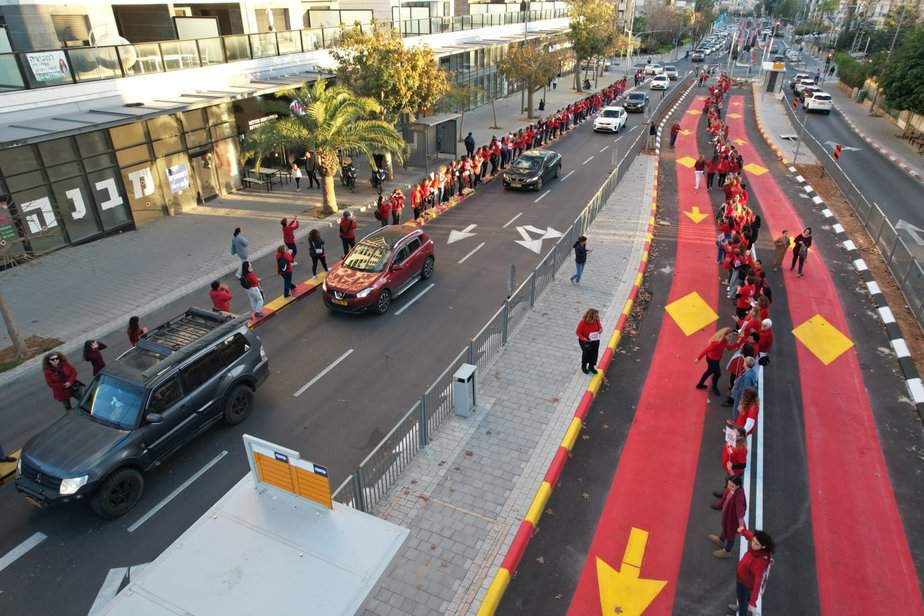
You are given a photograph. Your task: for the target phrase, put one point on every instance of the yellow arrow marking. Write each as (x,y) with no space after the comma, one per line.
(694,112)
(739,141)
(623,592)
(686,132)
(695,215)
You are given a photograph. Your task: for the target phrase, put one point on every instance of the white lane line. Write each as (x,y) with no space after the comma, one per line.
(567,175)
(108,590)
(21,550)
(476,249)
(542,196)
(604,149)
(510,222)
(321,374)
(150,514)
(616,140)
(419,295)
(588,160)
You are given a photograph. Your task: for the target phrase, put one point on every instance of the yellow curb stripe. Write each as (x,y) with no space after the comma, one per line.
(638,279)
(627,309)
(495,591)
(595,383)
(538,504)
(614,340)
(571,435)
(645,254)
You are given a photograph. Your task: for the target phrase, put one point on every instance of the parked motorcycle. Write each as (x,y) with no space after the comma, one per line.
(348,176)
(378,180)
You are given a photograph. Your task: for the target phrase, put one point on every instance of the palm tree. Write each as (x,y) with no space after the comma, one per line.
(334,120)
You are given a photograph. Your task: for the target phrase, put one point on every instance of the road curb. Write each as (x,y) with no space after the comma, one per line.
(881,149)
(897,342)
(528,525)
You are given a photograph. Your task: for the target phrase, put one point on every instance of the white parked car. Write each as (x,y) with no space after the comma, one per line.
(610,119)
(819,101)
(660,82)
(654,69)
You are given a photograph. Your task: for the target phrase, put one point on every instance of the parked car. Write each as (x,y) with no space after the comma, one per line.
(532,170)
(382,266)
(671,72)
(610,119)
(819,101)
(654,69)
(636,102)
(180,379)
(659,82)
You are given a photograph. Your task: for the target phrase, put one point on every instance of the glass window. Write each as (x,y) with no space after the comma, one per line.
(109,197)
(193,120)
(18,160)
(400,256)
(127,135)
(24,181)
(60,172)
(41,224)
(57,151)
(167,146)
(200,371)
(99,162)
(219,114)
(133,155)
(368,256)
(165,396)
(77,209)
(113,402)
(144,192)
(413,245)
(222,131)
(91,144)
(230,350)
(197,138)
(163,127)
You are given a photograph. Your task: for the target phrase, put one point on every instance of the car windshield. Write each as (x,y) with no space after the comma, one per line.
(670,68)
(527,163)
(636,96)
(611,113)
(370,255)
(113,402)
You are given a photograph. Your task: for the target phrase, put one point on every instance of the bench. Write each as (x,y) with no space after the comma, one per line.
(250,182)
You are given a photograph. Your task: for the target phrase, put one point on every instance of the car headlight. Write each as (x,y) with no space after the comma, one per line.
(530,180)
(72,484)
(364,293)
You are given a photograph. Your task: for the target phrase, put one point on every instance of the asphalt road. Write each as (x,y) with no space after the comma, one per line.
(336,421)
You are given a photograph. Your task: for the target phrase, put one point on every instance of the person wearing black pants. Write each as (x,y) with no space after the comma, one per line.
(803,242)
(347,232)
(588,333)
(316,247)
(718,343)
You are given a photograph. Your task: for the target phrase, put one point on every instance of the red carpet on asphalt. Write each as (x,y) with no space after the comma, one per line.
(863,561)
(653,484)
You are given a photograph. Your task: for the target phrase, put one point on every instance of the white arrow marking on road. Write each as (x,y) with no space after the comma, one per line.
(527,242)
(455,236)
(110,588)
(844,147)
(567,175)
(548,233)
(913,231)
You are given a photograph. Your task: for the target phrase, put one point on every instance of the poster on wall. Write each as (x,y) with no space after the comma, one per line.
(8,236)
(178,176)
(49,66)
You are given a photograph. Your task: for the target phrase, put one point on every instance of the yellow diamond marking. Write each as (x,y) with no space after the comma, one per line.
(736,103)
(691,313)
(824,340)
(694,112)
(687,162)
(734,116)
(739,141)
(700,98)
(755,169)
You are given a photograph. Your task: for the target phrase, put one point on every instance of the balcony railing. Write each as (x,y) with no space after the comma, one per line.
(25,70)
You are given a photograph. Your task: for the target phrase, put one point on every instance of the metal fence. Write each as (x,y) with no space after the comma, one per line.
(905,268)
(369,484)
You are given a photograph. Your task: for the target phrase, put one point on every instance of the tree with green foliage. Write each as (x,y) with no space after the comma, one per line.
(458,99)
(851,71)
(902,79)
(703,18)
(334,120)
(532,64)
(592,32)
(787,9)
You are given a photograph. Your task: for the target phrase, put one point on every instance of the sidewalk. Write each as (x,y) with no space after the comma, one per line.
(464,497)
(772,119)
(89,291)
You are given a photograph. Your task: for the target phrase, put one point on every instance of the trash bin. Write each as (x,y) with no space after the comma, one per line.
(464,390)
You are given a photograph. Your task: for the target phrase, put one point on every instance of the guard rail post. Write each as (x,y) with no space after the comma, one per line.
(532,287)
(359,498)
(506,320)
(424,430)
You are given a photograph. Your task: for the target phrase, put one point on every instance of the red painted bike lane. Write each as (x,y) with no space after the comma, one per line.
(653,484)
(863,561)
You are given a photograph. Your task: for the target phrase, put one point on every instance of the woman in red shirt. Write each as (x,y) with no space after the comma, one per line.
(251,284)
(752,569)
(61,377)
(734,506)
(135,331)
(718,343)
(748,410)
(712,167)
(588,333)
(397,206)
(382,209)
(221,297)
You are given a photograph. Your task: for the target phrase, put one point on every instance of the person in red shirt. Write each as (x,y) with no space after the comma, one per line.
(743,297)
(588,334)
(766,338)
(347,232)
(288,235)
(415,201)
(718,343)
(251,285)
(382,209)
(135,331)
(733,506)
(748,410)
(397,206)
(722,170)
(752,570)
(61,377)
(284,269)
(675,130)
(221,297)
(712,167)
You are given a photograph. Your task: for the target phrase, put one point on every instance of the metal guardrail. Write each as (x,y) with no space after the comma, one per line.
(905,268)
(23,70)
(369,484)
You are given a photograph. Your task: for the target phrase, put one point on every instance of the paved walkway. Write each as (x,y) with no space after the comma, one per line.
(464,496)
(776,123)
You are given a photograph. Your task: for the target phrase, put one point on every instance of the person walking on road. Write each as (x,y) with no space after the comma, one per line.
(699,168)
(652,134)
(718,343)
(61,377)
(800,249)
(347,232)
(135,331)
(288,236)
(311,169)
(316,246)
(220,296)
(239,247)
(753,568)
(780,246)
(588,334)
(397,206)
(93,353)
(296,175)
(469,145)
(675,130)
(251,284)
(734,507)
(580,259)
(284,265)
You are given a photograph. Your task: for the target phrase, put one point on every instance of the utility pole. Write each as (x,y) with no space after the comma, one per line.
(898,26)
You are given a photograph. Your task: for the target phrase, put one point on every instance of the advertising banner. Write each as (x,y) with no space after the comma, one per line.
(49,66)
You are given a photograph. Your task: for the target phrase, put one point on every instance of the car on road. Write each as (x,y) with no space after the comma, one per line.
(807,92)
(180,379)
(654,69)
(803,83)
(611,119)
(532,170)
(819,101)
(671,72)
(381,267)
(659,82)
(799,77)
(698,55)
(636,102)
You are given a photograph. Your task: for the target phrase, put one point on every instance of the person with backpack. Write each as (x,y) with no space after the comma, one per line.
(316,246)
(92,352)
(239,247)
(284,265)
(288,236)
(347,232)
(251,285)
(61,377)
(580,259)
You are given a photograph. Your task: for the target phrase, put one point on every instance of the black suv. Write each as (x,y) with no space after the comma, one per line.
(180,379)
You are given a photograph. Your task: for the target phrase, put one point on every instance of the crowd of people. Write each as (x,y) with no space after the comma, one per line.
(749,337)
